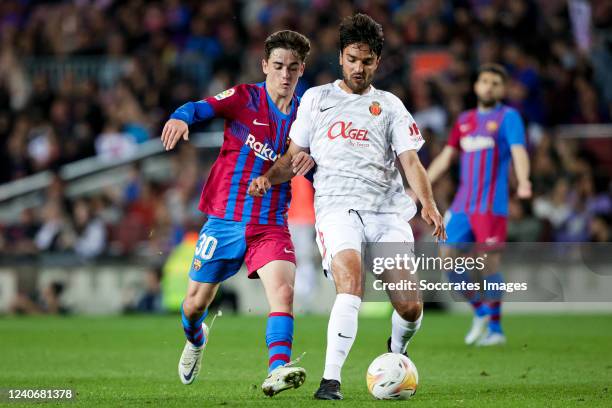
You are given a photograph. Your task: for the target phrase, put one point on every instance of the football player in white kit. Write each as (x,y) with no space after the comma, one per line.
(354,132)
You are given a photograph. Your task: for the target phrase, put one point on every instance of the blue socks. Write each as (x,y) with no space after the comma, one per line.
(279,338)
(193,329)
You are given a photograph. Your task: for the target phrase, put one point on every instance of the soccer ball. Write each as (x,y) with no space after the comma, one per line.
(392,376)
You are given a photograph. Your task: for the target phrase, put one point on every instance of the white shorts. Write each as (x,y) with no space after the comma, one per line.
(340,230)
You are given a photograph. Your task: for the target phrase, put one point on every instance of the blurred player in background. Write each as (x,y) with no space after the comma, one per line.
(354,133)
(487,139)
(241,228)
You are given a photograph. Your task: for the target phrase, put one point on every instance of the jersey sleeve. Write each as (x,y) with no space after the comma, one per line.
(223,105)
(455,136)
(405,133)
(192,112)
(302,127)
(512,128)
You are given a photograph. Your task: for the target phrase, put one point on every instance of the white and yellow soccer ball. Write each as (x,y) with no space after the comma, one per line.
(392,376)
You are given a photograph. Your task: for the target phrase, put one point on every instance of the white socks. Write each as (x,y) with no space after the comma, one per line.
(341,333)
(342,330)
(402,331)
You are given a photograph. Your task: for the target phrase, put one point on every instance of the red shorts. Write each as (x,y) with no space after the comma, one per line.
(489,230)
(267,243)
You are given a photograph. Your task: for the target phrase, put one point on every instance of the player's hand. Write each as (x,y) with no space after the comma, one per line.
(259,186)
(302,163)
(431,215)
(523,190)
(174,130)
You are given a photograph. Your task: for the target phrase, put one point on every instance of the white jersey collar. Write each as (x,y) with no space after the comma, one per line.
(336,84)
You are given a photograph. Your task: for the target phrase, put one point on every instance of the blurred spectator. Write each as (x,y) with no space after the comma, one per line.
(45,301)
(90,240)
(522,225)
(133,187)
(149,298)
(43,147)
(113,144)
(576,226)
(429,114)
(599,229)
(55,233)
(554,207)
(19,238)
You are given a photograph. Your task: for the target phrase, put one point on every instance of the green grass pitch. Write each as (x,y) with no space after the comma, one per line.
(550,361)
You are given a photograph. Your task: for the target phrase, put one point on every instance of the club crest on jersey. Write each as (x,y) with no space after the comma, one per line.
(262,150)
(375,108)
(225,94)
(492,126)
(197,264)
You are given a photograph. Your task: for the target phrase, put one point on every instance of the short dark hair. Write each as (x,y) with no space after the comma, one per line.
(361,28)
(496,69)
(289,40)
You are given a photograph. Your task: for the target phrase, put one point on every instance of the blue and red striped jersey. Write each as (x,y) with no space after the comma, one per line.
(484,140)
(255,135)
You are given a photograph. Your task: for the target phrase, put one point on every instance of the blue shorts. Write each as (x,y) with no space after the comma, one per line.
(223,245)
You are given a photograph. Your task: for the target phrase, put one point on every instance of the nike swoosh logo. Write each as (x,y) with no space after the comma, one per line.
(188,376)
(255,122)
(287,251)
(329,107)
(344,337)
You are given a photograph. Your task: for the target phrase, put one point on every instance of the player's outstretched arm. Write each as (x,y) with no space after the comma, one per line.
(520,161)
(417,178)
(177,126)
(295,162)
(441,163)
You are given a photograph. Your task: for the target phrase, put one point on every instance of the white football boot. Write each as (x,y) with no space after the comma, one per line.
(283,378)
(478,329)
(191,360)
(492,339)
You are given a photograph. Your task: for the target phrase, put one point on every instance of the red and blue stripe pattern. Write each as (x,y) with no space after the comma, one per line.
(279,338)
(484,170)
(193,328)
(494,301)
(225,194)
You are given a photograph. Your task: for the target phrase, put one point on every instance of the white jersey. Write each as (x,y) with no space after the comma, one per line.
(354,139)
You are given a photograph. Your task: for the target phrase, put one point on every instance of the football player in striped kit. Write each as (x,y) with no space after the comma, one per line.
(486,140)
(241,228)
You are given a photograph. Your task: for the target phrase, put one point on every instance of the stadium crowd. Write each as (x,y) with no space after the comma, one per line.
(144,59)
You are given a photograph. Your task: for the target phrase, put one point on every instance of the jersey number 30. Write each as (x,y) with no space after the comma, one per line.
(206,246)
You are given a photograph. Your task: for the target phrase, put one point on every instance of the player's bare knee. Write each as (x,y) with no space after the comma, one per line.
(194,306)
(351,288)
(349,283)
(346,269)
(409,311)
(284,294)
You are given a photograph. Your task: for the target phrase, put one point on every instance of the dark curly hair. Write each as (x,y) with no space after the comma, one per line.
(361,28)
